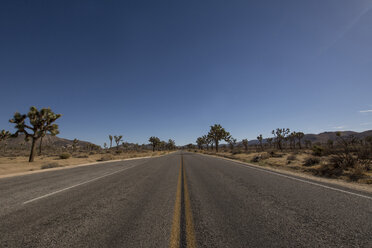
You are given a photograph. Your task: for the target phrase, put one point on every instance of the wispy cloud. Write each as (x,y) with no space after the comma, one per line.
(365,111)
(339,127)
(366,123)
(347,28)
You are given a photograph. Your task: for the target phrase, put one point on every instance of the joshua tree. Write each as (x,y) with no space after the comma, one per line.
(200,142)
(136,147)
(280,135)
(292,140)
(308,143)
(40,123)
(260,138)
(4,135)
(74,144)
(117,140)
(162,145)
(207,141)
(269,141)
(217,133)
(299,136)
(125,146)
(41,143)
(330,143)
(171,145)
(245,144)
(110,137)
(190,146)
(232,143)
(155,141)
(105,145)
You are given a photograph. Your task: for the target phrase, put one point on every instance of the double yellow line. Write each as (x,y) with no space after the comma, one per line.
(182,217)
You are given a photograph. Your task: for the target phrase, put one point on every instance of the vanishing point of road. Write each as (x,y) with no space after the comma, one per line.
(179,200)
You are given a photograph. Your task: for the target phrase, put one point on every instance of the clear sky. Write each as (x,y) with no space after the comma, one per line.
(173,68)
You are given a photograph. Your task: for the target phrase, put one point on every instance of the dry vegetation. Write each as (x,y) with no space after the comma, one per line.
(345,157)
(14,162)
(300,161)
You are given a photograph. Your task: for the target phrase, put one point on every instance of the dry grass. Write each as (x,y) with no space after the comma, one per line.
(19,164)
(293,162)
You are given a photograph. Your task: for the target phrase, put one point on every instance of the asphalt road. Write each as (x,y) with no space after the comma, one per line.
(179,200)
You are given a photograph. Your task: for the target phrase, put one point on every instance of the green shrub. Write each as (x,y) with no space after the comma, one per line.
(64,155)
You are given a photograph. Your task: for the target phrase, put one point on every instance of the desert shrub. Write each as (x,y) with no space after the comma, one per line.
(236,152)
(318,151)
(265,155)
(364,153)
(291,157)
(65,155)
(328,170)
(260,157)
(275,155)
(82,156)
(256,159)
(50,165)
(356,173)
(343,161)
(92,153)
(311,161)
(118,151)
(106,157)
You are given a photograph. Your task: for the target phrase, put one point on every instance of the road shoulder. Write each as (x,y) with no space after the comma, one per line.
(336,182)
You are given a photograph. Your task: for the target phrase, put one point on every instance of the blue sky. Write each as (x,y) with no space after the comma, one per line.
(173,68)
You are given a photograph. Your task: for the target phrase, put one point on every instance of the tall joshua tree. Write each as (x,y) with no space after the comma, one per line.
(155,142)
(200,143)
(39,124)
(4,135)
(110,137)
(269,141)
(299,136)
(232,143)
(206,140)
(245,144)
(280,135)
(74,144)
(171,145)
(260,139)
(217,133)
(117,140)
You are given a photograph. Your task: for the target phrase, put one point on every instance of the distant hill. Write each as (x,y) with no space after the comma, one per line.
(325,136)
(48,140)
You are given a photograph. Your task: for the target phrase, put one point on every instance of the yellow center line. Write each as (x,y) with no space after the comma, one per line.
(176,225)
(190,232)
(175,239)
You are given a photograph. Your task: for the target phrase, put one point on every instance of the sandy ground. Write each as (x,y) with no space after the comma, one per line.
(19,164)
(295,167)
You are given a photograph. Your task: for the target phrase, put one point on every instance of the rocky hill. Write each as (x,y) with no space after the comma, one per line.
(325,136)
(48,140)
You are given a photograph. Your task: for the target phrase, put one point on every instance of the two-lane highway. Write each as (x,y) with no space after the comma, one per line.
(178,200)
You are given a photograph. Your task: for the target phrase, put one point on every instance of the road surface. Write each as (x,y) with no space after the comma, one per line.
(179,200)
